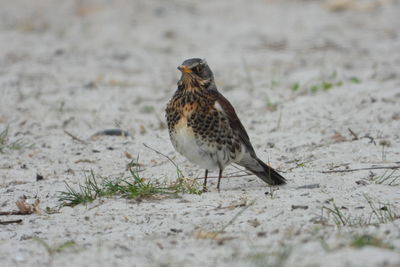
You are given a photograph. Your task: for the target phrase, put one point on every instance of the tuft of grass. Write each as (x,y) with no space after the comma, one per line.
(147,109)
(184,185)
(274,84)
(3,139)
(339,218)
(361,241)
(133,187)
(87,192)
(355,80)
(271,192)
(51,250)
(389,177)
(301,165)
(314,89)
(339,83)
(383,214)
(274,259)
(295,87)
(324,86)
(328,83)
(272,106)
(6,144)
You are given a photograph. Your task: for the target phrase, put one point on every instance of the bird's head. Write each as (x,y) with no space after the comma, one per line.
(195,71)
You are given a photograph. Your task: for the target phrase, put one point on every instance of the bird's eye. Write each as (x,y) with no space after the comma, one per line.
(197,69)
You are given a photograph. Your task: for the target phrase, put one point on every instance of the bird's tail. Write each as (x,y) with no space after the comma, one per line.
(262,170)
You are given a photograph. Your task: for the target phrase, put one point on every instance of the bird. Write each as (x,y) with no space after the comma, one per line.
(204,127)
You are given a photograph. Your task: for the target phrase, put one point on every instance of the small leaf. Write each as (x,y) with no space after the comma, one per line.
(326,86)
(337,137)
(206,235)
(314,89)
(295,87)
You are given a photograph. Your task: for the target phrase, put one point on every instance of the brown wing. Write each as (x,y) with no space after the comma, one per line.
(234,121)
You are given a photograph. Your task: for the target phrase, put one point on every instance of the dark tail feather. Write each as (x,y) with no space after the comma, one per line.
(263,171)
(269,175)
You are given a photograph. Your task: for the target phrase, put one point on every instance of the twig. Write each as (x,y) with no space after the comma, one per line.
(198,178)
(75,138)
(112,132)
(231,175)
(364,169)
(10,222)
(236,216)
(303,207)
(371,139)
(241,170)
(158,152)
(238,172)
(247,71)
(353,134)
(6,213)
(224,177)
(298,164)
(308,186)
(278,124)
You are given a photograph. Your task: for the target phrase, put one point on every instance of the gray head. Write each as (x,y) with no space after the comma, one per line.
(196,67)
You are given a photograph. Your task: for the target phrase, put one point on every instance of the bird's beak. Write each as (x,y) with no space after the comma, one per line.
(184,69)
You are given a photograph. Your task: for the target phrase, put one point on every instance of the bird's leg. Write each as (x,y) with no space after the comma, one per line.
(219,178)
(205,181)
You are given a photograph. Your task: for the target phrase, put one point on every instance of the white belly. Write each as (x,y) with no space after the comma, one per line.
(198,152)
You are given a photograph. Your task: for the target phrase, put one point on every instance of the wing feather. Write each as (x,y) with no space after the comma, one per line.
(234,121)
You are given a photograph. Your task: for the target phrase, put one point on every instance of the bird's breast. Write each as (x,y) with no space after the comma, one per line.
(183,135)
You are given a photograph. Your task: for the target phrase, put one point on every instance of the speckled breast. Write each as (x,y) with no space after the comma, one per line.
(201,132)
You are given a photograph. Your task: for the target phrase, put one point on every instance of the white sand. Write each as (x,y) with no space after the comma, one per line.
(52,51)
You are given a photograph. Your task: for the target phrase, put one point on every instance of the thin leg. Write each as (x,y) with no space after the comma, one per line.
(219,179)
(205,181)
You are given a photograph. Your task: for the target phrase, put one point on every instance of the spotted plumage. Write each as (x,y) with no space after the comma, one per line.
(204,127)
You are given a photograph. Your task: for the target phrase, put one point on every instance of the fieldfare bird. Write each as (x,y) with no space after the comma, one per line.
(203,126)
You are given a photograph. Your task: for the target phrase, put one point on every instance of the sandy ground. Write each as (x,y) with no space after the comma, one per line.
(300,74)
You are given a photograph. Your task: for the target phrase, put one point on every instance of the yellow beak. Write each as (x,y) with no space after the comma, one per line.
(184,69)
